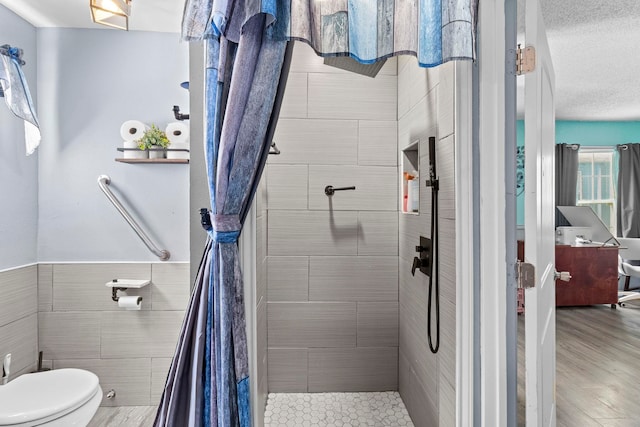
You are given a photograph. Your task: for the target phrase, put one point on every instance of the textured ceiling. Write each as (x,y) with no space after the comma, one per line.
(594,45)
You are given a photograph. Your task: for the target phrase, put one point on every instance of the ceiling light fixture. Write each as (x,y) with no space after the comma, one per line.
(113,13)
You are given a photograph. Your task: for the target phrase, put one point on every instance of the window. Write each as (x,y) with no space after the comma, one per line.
(596,185)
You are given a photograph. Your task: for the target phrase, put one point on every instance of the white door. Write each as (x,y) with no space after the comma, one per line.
(540,316)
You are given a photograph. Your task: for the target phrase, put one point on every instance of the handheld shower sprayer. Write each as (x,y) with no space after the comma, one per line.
(434,278)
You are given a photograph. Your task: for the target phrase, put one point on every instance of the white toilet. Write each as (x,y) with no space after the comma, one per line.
(58,398)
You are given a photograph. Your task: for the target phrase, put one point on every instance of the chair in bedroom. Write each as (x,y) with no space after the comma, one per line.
(628,252)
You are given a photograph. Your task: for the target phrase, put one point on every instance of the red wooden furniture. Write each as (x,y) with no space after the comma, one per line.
(594,274)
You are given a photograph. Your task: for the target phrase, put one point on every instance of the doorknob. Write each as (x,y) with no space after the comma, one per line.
(565,276)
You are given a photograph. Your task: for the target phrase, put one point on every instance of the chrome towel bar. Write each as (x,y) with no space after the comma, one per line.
(103,182)
(329,190)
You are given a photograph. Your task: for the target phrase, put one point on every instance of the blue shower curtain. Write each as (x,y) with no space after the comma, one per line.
(208,381)
(248,56)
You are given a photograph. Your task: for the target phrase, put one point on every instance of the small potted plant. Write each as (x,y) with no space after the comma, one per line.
(154,140)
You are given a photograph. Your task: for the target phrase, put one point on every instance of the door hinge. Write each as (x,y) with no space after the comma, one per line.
(525,60)
(525,275)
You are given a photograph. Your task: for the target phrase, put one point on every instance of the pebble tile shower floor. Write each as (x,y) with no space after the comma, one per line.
(379,409)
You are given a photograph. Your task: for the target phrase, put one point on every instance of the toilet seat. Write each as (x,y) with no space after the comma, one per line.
(32,399)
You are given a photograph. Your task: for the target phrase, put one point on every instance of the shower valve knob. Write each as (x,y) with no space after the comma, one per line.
(417,263)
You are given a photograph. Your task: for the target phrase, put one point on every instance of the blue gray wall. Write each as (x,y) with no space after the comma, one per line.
(53,213)
(18,173)
(90,82)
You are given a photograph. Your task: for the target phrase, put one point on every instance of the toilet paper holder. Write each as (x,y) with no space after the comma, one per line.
(114,293)
(124,284)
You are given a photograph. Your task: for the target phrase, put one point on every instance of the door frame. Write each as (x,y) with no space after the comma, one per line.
(495,347)
(466,245)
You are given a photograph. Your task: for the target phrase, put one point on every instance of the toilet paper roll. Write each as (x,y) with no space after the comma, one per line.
(133,152)
(178,154)
(177,132)
(133,302)
(132,130)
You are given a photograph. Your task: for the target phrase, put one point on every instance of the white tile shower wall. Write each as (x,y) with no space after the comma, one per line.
(427,381)
(130,351)
(18,318)
(261,375)
(332,265)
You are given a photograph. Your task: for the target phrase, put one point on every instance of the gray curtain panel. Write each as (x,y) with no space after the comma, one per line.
(628,205)
(566,178)
(182,402)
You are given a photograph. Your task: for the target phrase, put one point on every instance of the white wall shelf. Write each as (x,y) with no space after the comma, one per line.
(165,161)
(127,283)
(150,160)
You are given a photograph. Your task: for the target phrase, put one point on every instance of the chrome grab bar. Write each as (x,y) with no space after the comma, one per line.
(103,182)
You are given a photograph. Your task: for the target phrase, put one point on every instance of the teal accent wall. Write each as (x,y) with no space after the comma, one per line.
(587,134)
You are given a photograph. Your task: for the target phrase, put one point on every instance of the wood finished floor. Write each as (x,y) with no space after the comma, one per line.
(124,416)
(598,372)
(598,366)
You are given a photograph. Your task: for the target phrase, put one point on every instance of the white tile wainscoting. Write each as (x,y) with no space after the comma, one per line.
(80,326)
(19,318)
(66,311)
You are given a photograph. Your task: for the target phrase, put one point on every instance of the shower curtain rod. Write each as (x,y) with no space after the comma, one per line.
(103,182)
(5,50)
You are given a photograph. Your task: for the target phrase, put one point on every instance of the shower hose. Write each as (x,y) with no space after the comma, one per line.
(434,284)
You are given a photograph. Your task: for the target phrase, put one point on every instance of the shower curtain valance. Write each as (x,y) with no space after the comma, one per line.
(14,89)
(434,31)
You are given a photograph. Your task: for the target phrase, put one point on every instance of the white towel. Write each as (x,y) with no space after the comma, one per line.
(18,99)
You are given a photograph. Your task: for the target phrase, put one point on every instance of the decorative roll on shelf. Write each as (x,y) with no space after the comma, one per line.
(178,134)
(131,131)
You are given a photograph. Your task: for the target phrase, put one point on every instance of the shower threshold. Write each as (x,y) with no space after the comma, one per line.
(376,409)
